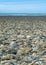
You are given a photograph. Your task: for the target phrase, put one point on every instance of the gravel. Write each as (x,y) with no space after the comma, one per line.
(23,40)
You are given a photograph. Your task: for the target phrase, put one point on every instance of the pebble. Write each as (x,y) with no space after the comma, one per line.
(28,36)
(24,50)
(27,59)
(7,64)
(13,44)
(31,64)
(22,42)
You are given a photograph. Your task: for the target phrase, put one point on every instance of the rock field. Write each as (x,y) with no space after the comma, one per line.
(23,40)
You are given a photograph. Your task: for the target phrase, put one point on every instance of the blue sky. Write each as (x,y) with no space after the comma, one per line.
(22,6)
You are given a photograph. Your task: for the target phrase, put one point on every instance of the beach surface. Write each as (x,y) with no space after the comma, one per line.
(22,40)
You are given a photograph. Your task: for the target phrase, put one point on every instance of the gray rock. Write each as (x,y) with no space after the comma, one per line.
(27,59)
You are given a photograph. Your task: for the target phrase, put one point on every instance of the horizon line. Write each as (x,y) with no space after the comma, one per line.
(22,14)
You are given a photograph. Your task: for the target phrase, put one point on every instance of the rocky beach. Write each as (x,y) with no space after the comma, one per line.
(22,40)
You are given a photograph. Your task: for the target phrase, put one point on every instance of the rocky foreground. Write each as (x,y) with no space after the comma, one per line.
(23,40)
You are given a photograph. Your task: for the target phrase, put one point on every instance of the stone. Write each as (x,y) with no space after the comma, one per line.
(7,64)
(43,59)
(31,63)
(23,63)
(27,49)
(21,36)
(27,59)
(23,50)
(23,40)
(7,57)
(28,36)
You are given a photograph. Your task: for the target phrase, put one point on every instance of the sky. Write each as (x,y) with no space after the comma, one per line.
(22,6)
